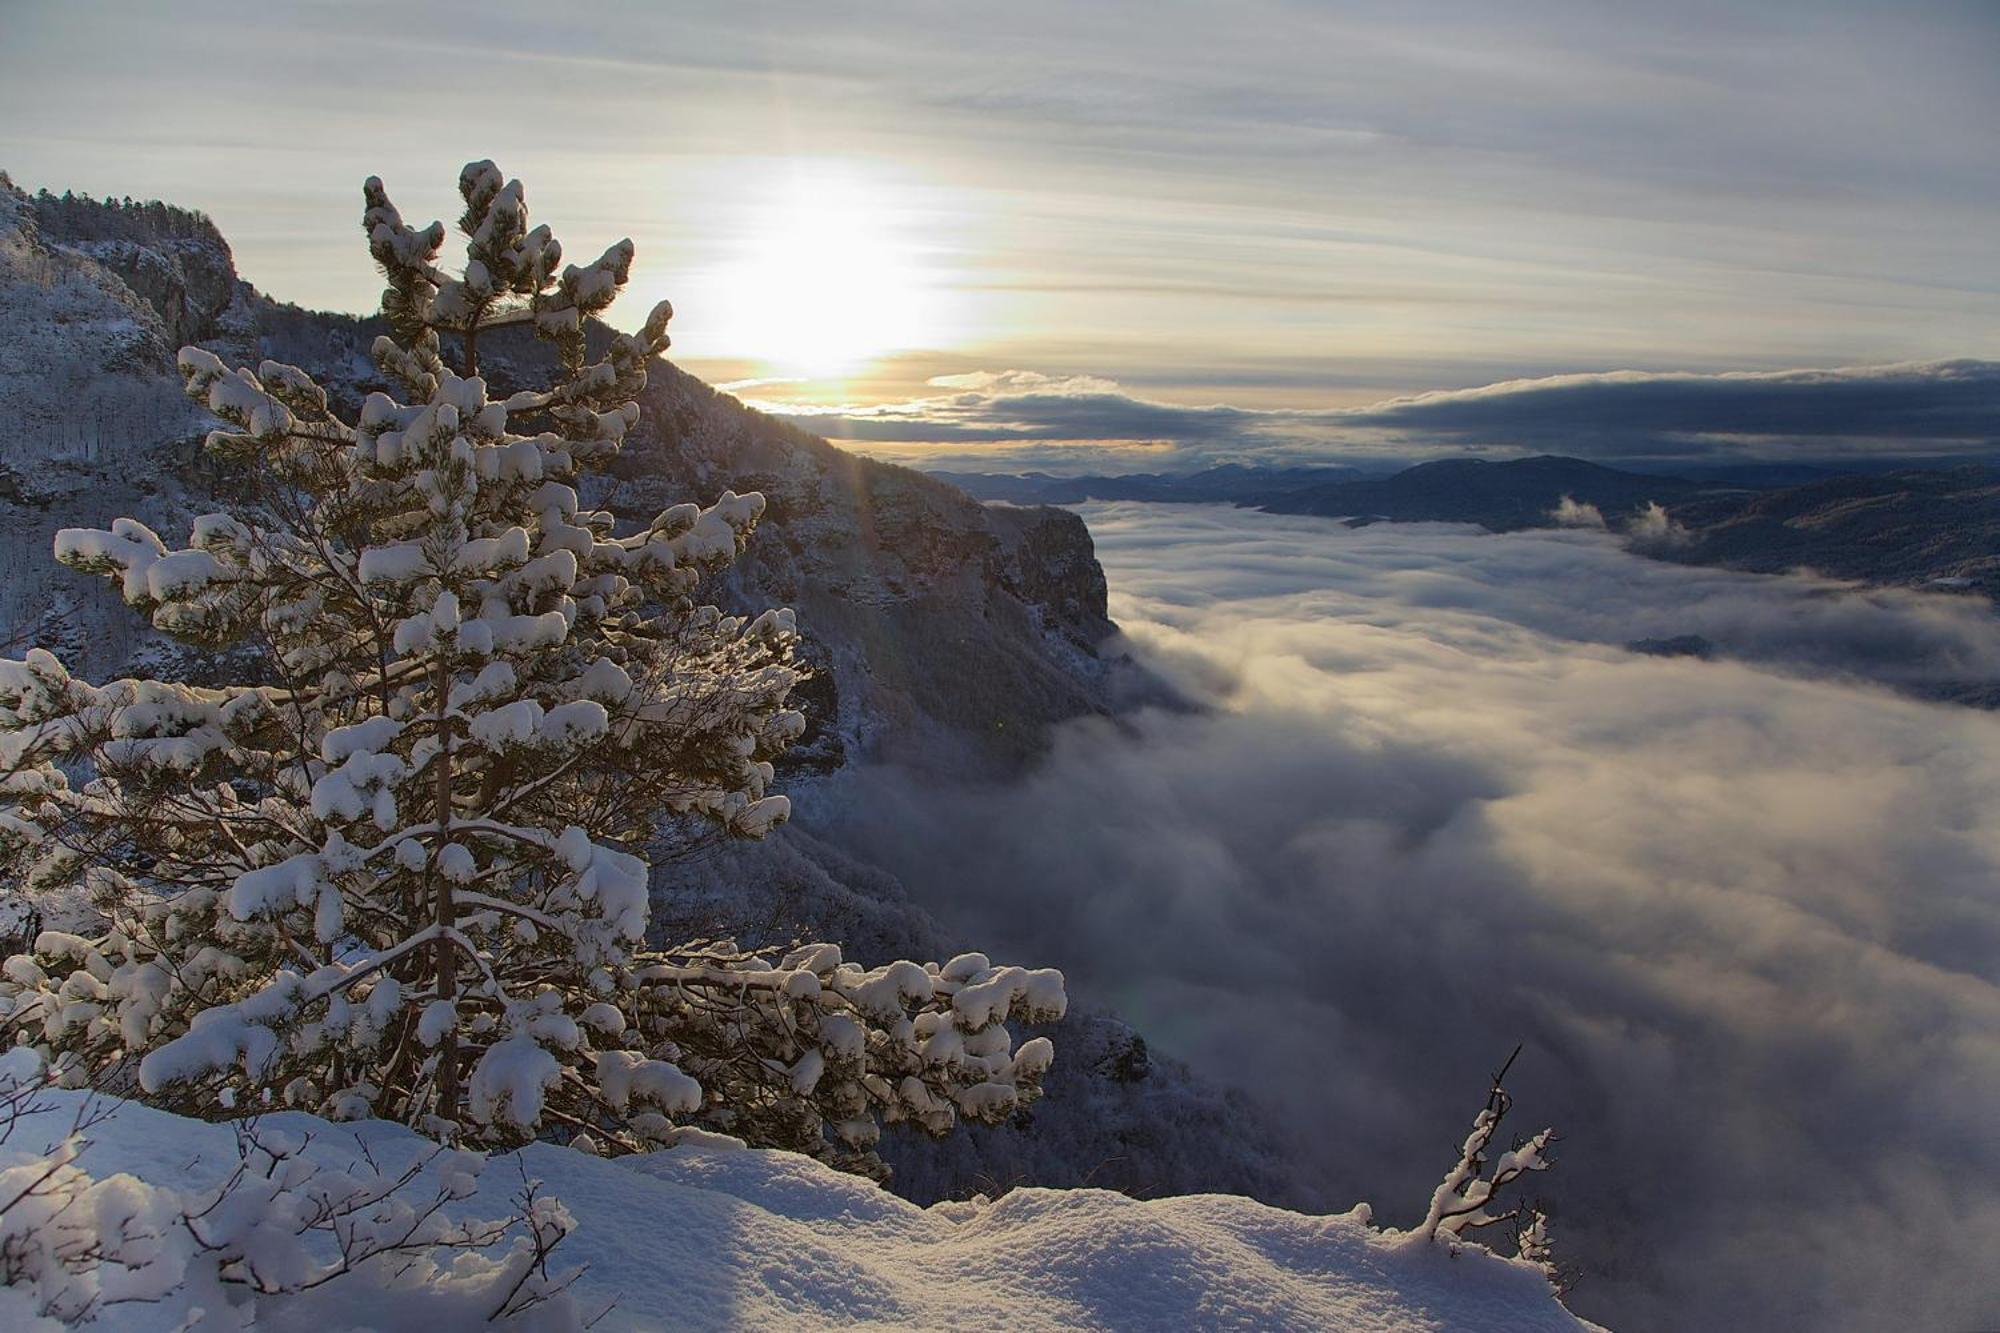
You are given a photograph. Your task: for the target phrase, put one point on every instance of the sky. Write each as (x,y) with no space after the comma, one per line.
(1081,236)
(1740,911)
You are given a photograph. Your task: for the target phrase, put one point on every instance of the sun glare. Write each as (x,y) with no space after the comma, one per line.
(826,277)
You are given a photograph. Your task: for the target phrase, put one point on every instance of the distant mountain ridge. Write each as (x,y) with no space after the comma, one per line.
(1500,496)
(1235,483)
(1503,495)
(1937,528)
(1931,527)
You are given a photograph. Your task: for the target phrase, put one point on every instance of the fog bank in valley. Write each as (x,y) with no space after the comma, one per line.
(1744,912)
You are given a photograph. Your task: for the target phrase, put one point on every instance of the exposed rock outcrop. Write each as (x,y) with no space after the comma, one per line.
(955,632)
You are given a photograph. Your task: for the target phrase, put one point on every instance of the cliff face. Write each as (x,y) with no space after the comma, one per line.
(88,412)
(169,268)
(951,633)
(174,261)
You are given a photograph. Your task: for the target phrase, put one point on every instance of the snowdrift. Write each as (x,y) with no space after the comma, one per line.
(705,1236)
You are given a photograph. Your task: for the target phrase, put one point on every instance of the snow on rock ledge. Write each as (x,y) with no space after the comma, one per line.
(706,1237)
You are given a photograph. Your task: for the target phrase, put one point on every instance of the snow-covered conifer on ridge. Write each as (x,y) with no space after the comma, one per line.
(401,871)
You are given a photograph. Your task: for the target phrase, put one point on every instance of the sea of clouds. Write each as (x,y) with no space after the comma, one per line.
(1744,913)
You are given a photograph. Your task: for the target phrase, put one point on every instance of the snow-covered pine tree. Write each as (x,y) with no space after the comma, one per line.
(400,870)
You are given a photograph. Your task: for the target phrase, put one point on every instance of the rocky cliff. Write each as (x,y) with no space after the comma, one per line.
(953,633)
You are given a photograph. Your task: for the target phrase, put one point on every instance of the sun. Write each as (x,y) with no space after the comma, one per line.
(826,276)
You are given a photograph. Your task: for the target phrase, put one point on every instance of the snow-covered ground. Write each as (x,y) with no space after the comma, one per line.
(699,1237)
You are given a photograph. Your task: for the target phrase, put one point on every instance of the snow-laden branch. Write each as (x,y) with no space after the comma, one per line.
(281,1238)
(1462,1201)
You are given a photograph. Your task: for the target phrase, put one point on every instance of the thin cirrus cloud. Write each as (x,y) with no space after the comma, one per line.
(1014,420)
(1191,198)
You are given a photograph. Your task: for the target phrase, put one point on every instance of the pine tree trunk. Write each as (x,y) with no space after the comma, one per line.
(446,909)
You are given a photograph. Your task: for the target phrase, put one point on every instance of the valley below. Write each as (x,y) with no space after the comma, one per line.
(1431,804)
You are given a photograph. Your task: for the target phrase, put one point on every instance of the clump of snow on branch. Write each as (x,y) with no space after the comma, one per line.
(401,870)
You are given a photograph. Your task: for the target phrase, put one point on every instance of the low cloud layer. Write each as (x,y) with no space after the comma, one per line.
(1743,912)
(1018,420)
(1944,406)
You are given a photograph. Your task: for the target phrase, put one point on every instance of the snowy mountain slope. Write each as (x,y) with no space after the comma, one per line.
(949,636)
(94,299)
(704,1237)
(957,633)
